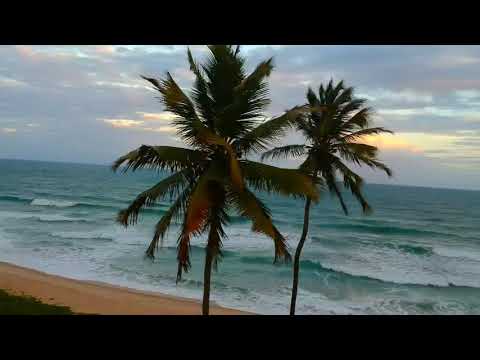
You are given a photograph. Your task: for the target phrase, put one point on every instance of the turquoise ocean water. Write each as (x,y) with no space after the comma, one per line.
(418,253)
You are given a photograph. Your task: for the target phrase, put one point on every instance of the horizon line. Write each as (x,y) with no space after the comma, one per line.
(368,183)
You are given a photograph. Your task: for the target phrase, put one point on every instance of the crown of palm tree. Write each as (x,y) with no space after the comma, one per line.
(333,131)
(221,122)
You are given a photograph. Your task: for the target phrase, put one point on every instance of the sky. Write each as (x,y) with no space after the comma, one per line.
(88,104)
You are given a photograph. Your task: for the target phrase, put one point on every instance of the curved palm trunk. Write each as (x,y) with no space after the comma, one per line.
(298,251)
(206,281)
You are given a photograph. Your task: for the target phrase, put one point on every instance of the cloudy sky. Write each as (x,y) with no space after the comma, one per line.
(88,104)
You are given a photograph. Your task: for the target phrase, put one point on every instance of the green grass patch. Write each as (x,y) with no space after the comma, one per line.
(27,305)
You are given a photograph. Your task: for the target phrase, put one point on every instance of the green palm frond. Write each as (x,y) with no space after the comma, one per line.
(193,224)
(379,165)
(200,94)
(161,158)
(215,235)
(312,98)
(364,132)
(354,182)
(285,152)
(352,151)
(203,197)
(263,135)
(343,96)
(250,99)
(224,71)
(269,178)
(359,120)
(161,228)
(312,164)
(187,122)
(306,127)
(173,97)
(217,219)
(169,187)
(346,110)
(331,181)
(363,154)
(248,205)
(251,83)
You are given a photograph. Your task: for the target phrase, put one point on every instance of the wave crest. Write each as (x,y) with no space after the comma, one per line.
(54,203)
(82,236)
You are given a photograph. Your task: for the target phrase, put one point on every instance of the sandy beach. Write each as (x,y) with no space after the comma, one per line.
(91,297)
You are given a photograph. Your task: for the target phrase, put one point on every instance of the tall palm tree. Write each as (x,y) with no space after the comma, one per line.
(332,131)
(221,122)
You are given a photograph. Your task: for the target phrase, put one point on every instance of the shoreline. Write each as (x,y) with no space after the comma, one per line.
(95,297)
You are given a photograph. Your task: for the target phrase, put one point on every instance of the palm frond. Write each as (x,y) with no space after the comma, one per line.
(354,182)
(379,165)
(161,158)
(364,132)
(251,82)
(359,120)
(235,170)
(248,205)
(224,70)
(312,98)
(217,219)
(250,99)
(289,182)
(345,111)
(187,122)
(285,152)
(263,135)
(362,154)
(200,95)
(343,95)
(163,224)
(310,165)
(352,151)
(169,186)
(203,197)
(194,222)
(331,181)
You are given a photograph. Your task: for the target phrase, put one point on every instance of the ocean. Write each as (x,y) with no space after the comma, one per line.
(418,253)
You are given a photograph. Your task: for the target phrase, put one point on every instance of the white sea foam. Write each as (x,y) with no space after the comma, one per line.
(56,217)
(97,235)
(460,253)
(55,203)
(8,215)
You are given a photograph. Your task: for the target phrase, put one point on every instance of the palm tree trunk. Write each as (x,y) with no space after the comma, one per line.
(298,251)
(206,281)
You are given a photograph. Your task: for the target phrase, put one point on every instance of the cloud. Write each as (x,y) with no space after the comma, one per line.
(120,84)
(25,51)
(163,116)
(105,50)
(8,82)
(468,94)
(165,129)
(431,110)
(9,130)
(428,90)
(403,96)
(142,124)
(123,123)
(391,143)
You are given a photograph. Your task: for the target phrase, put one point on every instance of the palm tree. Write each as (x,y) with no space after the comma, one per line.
(332,131)
(221,123)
